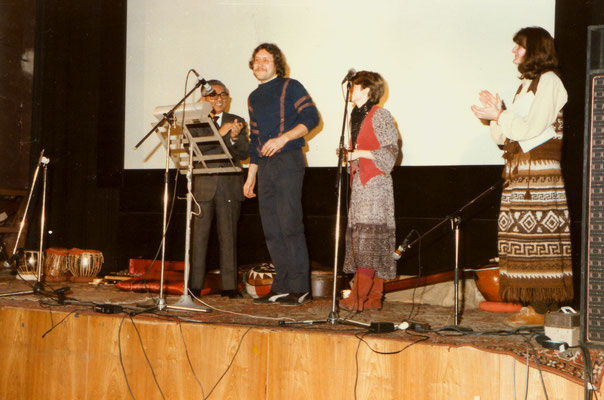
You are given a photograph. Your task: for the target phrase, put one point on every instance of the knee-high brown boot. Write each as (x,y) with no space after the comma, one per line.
(374,299)
(358,296)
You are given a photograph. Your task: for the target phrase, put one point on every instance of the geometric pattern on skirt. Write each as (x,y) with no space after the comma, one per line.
(534,239)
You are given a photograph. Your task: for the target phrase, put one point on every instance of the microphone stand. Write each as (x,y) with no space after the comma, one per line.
(170,113)
(185,303)
(455,220)
(37,287)
(334,317)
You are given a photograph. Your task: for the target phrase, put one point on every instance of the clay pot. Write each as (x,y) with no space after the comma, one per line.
(487,281)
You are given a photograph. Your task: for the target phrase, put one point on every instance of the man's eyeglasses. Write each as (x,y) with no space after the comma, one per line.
(214,95)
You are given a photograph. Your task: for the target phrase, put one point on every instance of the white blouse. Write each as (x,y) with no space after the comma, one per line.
(529,120)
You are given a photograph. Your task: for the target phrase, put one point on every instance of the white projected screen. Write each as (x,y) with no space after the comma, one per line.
(434,54)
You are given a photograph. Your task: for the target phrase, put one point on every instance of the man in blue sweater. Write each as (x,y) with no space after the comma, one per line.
(281,114)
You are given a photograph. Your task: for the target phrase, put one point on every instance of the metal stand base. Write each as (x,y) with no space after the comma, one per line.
(17,293)
(332,319)
(184,303)
(36,289)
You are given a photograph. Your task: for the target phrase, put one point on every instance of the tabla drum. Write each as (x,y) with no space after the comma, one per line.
(55,264)
(259,279)
(27,265)
(84,264)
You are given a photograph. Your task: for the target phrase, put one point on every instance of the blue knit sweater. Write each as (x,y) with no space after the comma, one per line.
(276,107)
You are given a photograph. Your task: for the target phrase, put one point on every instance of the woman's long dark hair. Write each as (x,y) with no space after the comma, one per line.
(540,56)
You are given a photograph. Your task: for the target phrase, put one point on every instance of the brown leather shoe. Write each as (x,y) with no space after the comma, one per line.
(527,316)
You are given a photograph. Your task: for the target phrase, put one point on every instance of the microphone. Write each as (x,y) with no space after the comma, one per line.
(43,160)
(349,75)
(398,253)
(207,89)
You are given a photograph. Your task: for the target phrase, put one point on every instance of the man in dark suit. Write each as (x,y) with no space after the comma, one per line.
(219,194)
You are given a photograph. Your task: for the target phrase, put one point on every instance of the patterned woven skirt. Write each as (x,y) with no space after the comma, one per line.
(534,236)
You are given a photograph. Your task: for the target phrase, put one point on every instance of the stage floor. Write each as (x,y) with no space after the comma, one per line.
(489,333)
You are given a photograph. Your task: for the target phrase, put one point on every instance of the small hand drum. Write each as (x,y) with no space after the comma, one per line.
(84,264)
(27,266)
(259,279)
(55,265)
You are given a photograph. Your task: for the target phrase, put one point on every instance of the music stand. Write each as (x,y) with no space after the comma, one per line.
(183,149)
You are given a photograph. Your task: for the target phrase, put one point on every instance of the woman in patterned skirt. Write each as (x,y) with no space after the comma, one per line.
(534,226)
(370,235)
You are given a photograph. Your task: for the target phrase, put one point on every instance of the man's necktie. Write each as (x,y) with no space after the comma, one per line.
(215,120)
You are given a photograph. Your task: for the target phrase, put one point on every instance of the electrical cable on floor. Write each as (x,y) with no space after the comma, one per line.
(49,306)
(172,203)
(119,347)
(419,273)
(169,220)
(538,367)
(232,323)
(356,362)
(361,338)
(236,313)
(230,364)
(184,342)
(389,353)
(587,371)
(457,331)
(140,339)
(60,322)
(44,293)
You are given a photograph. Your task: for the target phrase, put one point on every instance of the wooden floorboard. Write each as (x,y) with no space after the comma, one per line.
(80,359)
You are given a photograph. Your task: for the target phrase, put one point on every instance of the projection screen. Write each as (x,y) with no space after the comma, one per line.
(434,54)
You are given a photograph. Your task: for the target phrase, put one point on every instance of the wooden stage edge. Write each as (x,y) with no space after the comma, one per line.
(80,359)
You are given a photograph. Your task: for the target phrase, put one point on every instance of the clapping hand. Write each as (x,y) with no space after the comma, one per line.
(492,106)
(234,128)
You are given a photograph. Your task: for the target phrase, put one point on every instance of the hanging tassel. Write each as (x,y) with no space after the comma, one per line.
(527,195)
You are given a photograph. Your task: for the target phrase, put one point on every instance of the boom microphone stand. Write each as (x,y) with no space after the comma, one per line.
(37,287)
(455,221)
(185,303)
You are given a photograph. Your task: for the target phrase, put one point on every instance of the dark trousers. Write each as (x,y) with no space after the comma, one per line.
(227,215)
(280,201)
